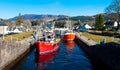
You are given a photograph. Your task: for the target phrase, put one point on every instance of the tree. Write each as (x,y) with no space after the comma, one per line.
(78,23)
(36,22)
(114,8)
(60,24)
(19,20)
(99,23)
(1,19)
(7,22)
(28,23)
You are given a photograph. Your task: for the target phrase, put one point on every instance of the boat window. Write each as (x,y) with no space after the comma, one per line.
(49,37)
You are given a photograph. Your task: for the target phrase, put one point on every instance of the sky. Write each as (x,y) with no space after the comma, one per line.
(12,8)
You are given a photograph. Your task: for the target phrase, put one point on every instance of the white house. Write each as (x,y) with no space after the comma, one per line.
(3,28)
(88,26)
(17,31)
(115,24)
(14,29)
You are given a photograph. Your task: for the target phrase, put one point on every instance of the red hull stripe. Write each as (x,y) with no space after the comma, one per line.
(50,51)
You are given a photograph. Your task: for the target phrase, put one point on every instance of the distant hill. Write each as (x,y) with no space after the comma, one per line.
(83,18)
(92,18)
(38,17)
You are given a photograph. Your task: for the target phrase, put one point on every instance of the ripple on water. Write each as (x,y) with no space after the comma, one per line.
(66,59)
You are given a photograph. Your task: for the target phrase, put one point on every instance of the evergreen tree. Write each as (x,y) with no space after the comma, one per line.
(19,20)
(99,23)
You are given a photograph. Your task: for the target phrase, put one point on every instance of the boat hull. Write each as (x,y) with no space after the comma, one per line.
(69,37)
(46,47)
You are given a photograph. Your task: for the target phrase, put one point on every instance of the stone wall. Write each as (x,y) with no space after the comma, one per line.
(103,56)
(11,50)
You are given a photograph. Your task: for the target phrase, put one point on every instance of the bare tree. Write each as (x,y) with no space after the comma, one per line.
(114,8)
(19,20)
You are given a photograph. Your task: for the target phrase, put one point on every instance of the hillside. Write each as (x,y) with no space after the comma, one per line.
(38,17)
(84,19)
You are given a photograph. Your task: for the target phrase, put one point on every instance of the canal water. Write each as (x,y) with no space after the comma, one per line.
(69,57)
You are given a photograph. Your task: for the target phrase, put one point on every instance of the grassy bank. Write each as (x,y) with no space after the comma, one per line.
(98,38)
(18,37)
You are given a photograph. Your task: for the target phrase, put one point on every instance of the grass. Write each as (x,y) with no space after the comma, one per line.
(98,38)
(18,37)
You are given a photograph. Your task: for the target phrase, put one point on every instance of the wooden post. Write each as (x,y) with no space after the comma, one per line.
(11,38)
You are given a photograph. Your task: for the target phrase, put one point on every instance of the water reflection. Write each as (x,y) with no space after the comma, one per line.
(69,57)
(43,60)
(70,45)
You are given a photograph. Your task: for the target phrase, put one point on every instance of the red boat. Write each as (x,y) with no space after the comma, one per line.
(46,47)
(48,44)
(68,35)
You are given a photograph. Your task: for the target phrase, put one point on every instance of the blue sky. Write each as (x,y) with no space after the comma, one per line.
(11,8)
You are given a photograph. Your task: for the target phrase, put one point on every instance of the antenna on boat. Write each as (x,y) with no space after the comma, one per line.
(34,36)
(69,26)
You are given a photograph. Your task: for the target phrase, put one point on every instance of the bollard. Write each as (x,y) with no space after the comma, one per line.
(113,39)
(103,41)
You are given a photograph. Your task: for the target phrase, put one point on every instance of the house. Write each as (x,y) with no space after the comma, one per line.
(108,25)
(87,26)
(83,29)
(3,28)
(114,26)
(15,29)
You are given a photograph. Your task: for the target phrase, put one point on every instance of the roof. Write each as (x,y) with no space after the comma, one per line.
(88,26)
(115,24)
(2,24)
